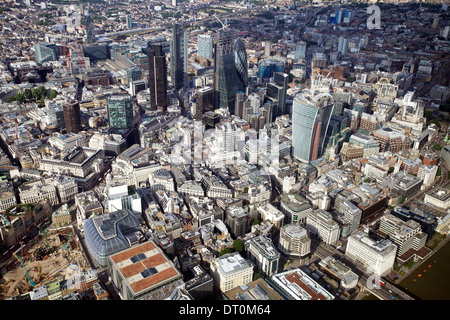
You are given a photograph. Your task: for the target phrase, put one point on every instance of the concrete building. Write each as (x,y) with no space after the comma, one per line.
(262,252)
(321,223)
(272,214)
(297,285)
(294,240)
(377,256)
(230,271)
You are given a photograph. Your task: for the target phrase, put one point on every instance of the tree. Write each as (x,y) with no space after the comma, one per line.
(27,94)
(225,251)
(20,97)
(258,275)
(255,221)
(42,101)
(53,94)
(238,245)
(437,146)
(11,99)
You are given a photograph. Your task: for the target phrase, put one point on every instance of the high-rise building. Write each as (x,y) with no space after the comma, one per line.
(225,80)
(204,102)
(72,116)
(157,77)
(230,271)
(277,92)
(310,119)
(240,55)
(120,111)
(129,22)
(205,46)
(263,254)
(300,50)
(89,30)
(321,223)
(343,45)
(178,59)
(294,240)
(267,67)
(133,74)
(238,220)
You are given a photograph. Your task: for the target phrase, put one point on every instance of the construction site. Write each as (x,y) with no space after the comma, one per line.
(54,255)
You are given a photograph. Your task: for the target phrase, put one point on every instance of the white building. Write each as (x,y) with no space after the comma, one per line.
(230,271)
(376,256)
(439,198)
(161,179)
(321,223)
(263,253)
(294,240)
(427,173)
(272,214)
(297,285)
(123,197)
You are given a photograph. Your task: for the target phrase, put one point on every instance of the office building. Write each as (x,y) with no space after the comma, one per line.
(240,56)
(120,111)
(276,91)
(310,119)
(300,50)
(45,52)
(178,57)
(263,254)
(321,223)
(267,67)
(205,46)
(72,117)
(238,220)
(144,272)
(225,81)
(133,74)
(294,240)
(157,78)
(204,102)
(90,38)
(297,285)
(230,271)
(377,256)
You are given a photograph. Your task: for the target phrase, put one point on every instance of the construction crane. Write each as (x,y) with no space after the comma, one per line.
(224,26)
(68,241)
(30,281)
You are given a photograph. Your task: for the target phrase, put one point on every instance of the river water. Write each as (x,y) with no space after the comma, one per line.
(431,280)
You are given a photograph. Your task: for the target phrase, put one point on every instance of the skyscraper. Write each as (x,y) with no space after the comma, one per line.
(178,60)
(205,46)
(225,79)
(240,60)
(120,111)
(204,102)
(157,68)
(310,119)
(129,22)
(300,50)
(89,30)
(276,93)
(45,52)
(72,116)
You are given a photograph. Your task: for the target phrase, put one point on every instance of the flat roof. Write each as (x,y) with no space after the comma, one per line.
(144,267)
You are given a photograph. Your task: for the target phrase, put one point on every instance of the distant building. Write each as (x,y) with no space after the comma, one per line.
(120,112)
(72,117)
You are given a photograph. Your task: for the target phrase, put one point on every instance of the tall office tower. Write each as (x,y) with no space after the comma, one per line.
(300,50)
(343,45)
(157,77)
(129,22)
(310,119)
(178,59)
(240,59)
(120,111)
(205,46)
(72,116)
(89,30)
(276,93)
(204,102)
(240,100)
(225,79)
(267,47)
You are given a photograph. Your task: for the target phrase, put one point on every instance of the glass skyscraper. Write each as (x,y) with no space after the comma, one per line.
(240,55)
(225,80)
(310,119)
(157,82)
(178,59)
(45,52)
(89,30)
(276,93)
(267,67)
(120,111)
(205,46)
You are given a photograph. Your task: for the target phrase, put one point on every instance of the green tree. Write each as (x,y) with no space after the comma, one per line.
(20,97)
(27,94)
(437,146)
(256,221)
(53,94)
(238,245)
(42,101)
(11,99)
(258,275)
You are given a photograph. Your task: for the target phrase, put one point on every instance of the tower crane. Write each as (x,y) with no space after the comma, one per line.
(30,281)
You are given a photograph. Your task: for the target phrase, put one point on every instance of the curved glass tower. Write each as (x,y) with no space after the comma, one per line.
(240,59)
(310,119)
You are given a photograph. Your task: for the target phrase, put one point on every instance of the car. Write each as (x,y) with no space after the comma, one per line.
(390,291)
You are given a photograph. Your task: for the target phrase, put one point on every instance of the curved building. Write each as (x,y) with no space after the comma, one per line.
(240,60)
(110,233)
(310,119)
(294,240)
